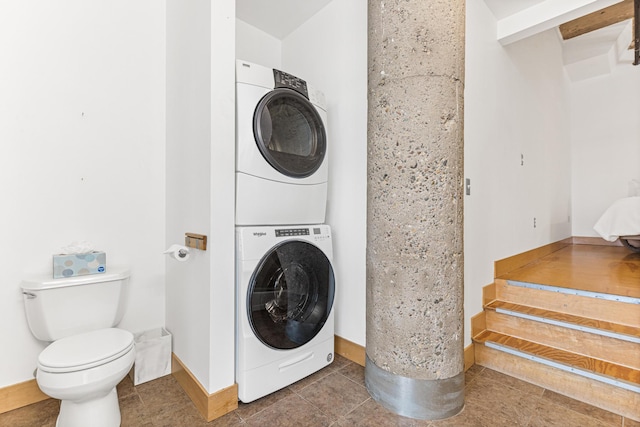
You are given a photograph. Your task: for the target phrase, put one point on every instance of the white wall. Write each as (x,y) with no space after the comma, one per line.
(81,152)
(330,50)
(605,135)
(254,45)
(200,185)
(516,103)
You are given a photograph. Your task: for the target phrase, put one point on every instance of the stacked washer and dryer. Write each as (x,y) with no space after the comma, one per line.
(285,284)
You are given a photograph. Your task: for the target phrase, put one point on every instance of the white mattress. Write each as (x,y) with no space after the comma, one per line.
(622,218)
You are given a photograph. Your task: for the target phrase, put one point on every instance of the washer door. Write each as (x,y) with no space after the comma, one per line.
(290,295)
(289,133)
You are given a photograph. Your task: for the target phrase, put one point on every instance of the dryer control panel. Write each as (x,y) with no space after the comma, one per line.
(289,81)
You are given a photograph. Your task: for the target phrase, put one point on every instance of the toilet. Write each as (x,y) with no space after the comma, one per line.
(88,356)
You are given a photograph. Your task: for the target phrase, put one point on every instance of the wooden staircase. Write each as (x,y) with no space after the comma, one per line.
(581,343)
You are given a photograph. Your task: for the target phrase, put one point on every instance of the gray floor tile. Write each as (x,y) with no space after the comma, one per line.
(336,397)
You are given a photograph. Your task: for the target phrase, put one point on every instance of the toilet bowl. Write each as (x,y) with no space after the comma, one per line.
(88,356)
(83,372)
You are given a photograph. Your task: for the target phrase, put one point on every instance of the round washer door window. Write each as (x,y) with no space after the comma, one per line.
(290,295)
(289,133)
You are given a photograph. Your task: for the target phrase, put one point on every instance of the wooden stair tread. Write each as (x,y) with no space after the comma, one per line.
(567,358)
(581,267)
(567,318)
(577,304)
(601,394)
(587,322)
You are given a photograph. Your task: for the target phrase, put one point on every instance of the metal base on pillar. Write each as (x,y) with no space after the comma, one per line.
(409,397)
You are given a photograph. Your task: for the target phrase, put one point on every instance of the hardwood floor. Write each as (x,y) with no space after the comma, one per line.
(605,269)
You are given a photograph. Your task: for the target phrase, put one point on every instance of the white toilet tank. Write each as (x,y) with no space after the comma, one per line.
(57,308)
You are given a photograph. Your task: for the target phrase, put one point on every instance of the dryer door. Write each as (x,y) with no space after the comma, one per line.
(290,295)
(289,133)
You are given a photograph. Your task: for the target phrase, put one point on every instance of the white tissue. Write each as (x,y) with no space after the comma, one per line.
(77,247)
(178,252)
(634,188)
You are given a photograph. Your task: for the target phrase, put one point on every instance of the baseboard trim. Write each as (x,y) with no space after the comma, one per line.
(478,323)
(469,357)
(349,350)
(511,263)
(18,395)
(210,406)
(597,241)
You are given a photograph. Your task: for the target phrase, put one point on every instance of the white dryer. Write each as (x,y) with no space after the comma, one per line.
(285,291)
(281,148)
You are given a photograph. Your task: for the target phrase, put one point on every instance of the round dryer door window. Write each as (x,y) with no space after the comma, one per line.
(290,295)
(289,133)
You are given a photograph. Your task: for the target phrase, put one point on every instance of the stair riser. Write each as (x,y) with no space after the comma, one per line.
(605,396)
(611,311)
(585,343)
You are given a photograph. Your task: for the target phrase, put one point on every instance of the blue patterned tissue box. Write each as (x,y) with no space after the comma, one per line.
(79,264)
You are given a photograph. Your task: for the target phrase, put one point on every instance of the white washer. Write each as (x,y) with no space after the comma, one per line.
(285,291)
(281,148)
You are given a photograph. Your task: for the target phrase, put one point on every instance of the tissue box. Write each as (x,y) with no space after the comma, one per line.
(153,355)
(79,264)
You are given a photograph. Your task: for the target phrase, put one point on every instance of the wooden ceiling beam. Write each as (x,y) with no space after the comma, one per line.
(594,21)
(543,16)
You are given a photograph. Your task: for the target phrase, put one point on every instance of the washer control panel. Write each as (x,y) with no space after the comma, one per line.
(290,232)
(316,234)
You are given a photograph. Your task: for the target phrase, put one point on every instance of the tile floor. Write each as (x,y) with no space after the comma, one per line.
(336,397)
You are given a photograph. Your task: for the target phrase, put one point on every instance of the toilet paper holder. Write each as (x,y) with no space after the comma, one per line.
(196,241)
(182,253)
(178,252)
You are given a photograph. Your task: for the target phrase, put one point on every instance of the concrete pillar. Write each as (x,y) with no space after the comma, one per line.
(415,355)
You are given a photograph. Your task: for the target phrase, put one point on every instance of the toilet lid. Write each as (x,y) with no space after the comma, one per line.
(84,351)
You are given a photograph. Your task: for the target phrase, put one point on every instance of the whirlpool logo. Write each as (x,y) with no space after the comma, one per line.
(259,233)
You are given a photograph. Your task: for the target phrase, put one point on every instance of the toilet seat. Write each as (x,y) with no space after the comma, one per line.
(85,351)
